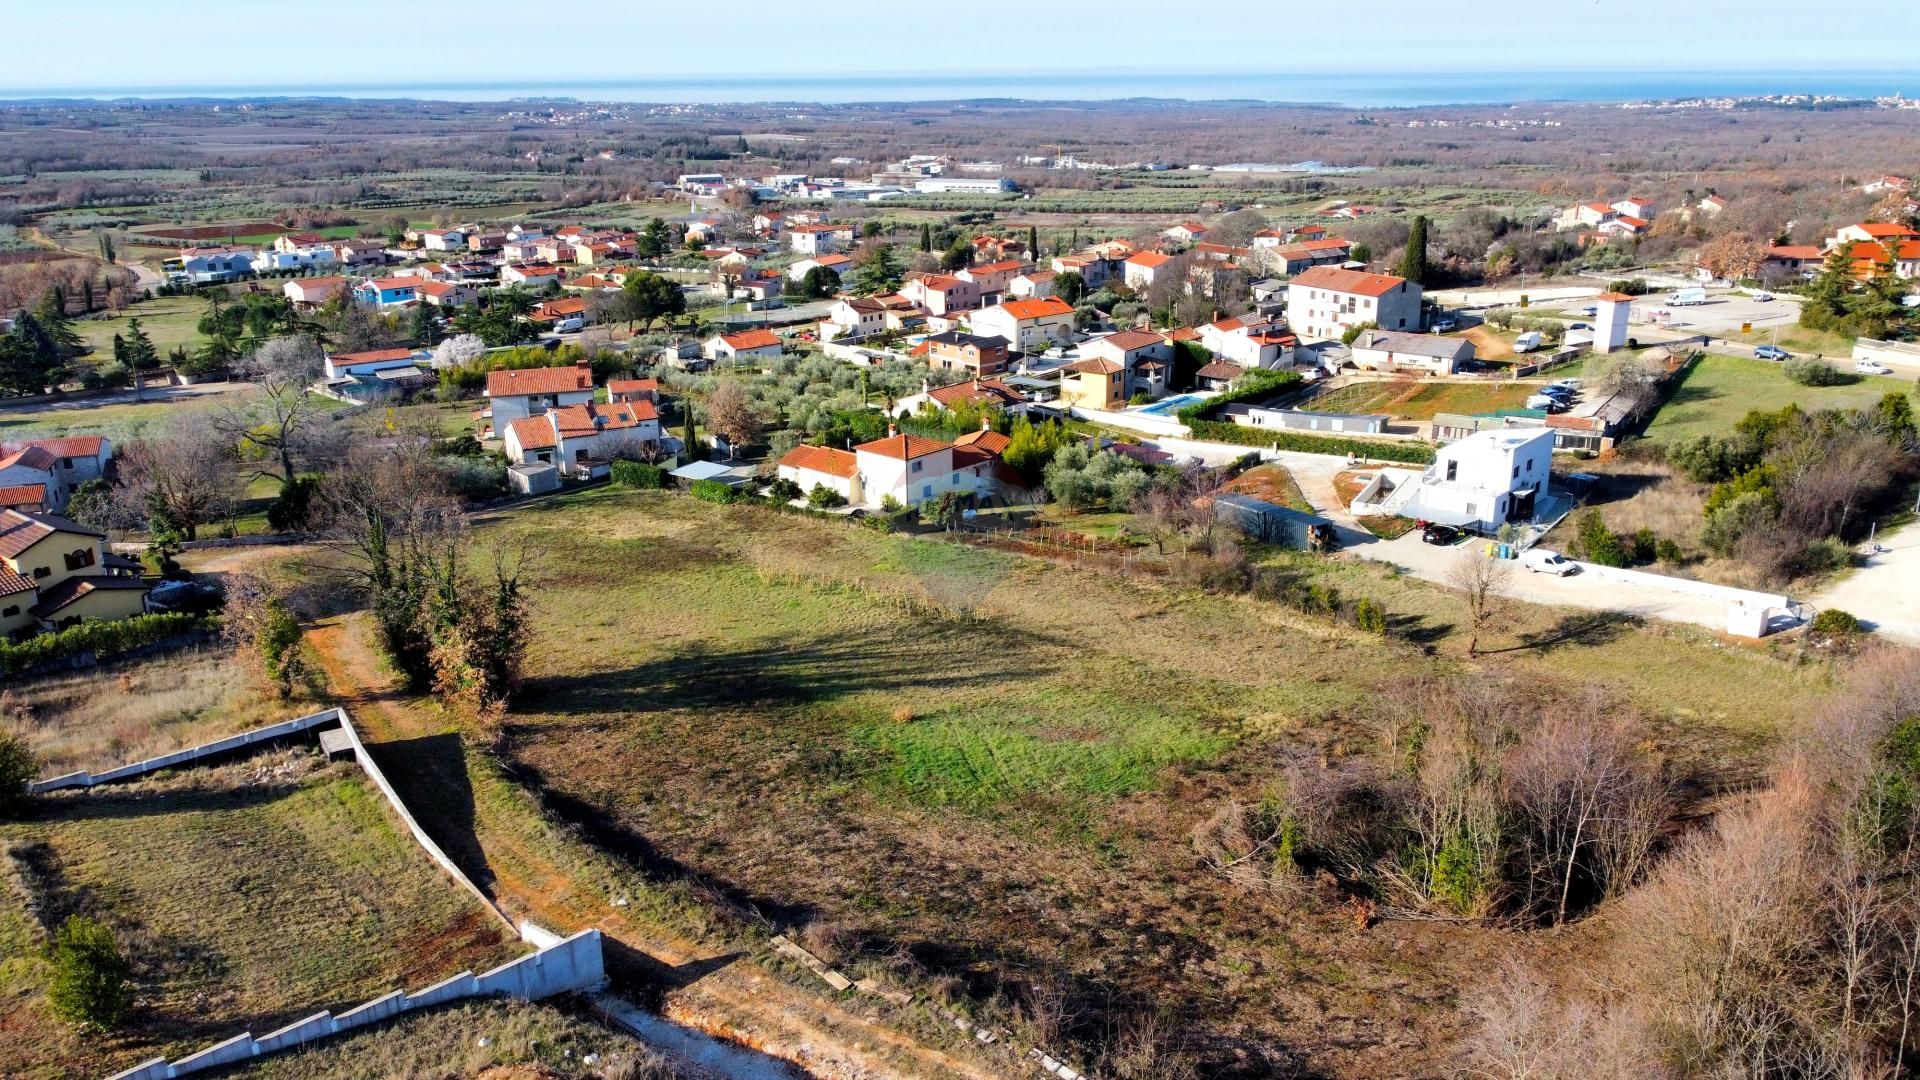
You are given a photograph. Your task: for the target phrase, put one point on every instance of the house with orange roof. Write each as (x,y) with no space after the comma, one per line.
(1187,232)
(1324,302)
(310,293)
(1290,259)
(55,573)
(1141,269)
(1871,232)
(448,294)
(991,279)
(756,344)
(1252,341)
(582,440)
(912,469)
(522,392)
(820,239)
(1585,215)
(1033,283)
(1094,383)
(1623,225)
(1145,358)
(823,466)
(531,275)
(941,294)
(388,291)
(1792,259)
(1025,324)
(647,390)
(1887,183)
(971,354)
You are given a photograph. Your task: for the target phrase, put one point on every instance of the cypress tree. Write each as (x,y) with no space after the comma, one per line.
(926,236)
(1413,263)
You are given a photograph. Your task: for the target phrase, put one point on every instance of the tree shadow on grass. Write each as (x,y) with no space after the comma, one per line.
(430,773)
(1417,630)
(1588,628)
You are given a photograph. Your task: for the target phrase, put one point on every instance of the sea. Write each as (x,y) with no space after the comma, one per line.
(1396,89)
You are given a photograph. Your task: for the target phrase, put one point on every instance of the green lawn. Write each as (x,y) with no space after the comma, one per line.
(118,421)
(243,905)
(1414,400)
(1718,390)
(168,320)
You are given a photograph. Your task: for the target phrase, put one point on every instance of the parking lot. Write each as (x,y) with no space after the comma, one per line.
(1721,315)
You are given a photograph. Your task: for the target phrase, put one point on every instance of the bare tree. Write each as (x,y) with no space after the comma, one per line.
(178,476)
(279,426)
(732,415)
(1480,582)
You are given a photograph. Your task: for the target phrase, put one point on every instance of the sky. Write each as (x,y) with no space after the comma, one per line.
(159,44)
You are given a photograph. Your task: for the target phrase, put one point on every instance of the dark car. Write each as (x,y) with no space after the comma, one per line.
(1435,533)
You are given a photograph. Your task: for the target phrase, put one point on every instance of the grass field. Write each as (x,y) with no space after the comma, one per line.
(246,897)
(168,320)
(1412,399)
(447,1042)
(151,707)
(1718,390)
(116,420)
(996,764)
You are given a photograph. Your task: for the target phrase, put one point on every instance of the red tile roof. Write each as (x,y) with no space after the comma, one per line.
(1037,308)
(23,495)
(546,380)
(1348,281)
(903,447)
(32,457)
(1130,340)
(1003,266)
(991,441)
(12,584)
(988,391)
(20,531)
(822,459)
(1793,251)
(1098,366)
(1882,230)
(372,356)
(582,420)
(72,445)
(751,339)
(1150,260)
(534,433)
(633,386)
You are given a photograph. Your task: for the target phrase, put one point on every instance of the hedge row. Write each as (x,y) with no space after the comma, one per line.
(713,491)
(1412,453)
(1256,385)
(103,639)
(638,474)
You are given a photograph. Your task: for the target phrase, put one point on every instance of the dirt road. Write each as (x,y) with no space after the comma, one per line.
(488,831)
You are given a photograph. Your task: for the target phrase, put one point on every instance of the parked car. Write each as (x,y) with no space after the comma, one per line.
(1591,311)
(1579,326)
(1872,367)
(570,326)
(1527,342)
(1445,325)
(1558,393)
(1571,384)
(1435,533)
(1761,297)
(1542,561)
(1771,352)
(1548,403)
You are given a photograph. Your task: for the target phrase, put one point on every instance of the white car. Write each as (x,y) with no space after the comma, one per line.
(1542,561)
(1872,367)
(1761,297)
(1571,384)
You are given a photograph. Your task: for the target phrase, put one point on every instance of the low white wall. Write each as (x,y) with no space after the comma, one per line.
(191,754)
(1145,423)
(575,964)
(1685,585)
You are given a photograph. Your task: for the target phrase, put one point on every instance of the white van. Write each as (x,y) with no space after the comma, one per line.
(1687,297)
(1542,561)
(1527,342)
(571,325)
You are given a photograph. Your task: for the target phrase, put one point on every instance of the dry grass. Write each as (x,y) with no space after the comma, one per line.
(468,1039)
(246,897)
(1414,399)
(108,716)
(1273,483)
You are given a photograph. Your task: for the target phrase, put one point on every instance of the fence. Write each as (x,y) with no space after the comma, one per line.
(575,963)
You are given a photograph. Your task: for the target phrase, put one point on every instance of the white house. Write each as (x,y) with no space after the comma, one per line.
(1141,269)
(208,265)
(523,392)
(838,264)
(1187,232)
(1635,207)
(854,316)
(1026,323)
(820,239)
(824,466)
(910,468)
(1585,215)
(314,291)
(76,460)
(1325,301)
(444,240)
(1486,479)
(744,345)
(1034,283)
(347,365)
(581,438)
(1250,341)
(530,275)
(1391,350)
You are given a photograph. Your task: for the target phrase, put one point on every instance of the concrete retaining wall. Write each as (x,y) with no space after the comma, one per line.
(192,754)
(575,964)
(1686,585)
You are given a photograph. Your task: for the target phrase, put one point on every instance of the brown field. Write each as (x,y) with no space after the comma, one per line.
(213,232)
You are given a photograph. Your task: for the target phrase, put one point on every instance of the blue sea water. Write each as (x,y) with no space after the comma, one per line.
(1352,89)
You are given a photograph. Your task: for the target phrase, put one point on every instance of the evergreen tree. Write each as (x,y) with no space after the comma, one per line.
(56,324)
(1413,263)
(881,272)
(653,241)
(89,985)
(690,442)
(86,295)
(926,236)
(426,325)
(1033,241)
(106,247)
(28,357)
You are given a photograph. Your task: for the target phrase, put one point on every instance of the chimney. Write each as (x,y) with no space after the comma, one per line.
(892,430)
(986,424)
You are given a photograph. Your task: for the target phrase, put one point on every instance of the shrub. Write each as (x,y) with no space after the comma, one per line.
(1369,616)
(1597,543)
(713,491)
(1630,286)
(1813,371)
(474,478)
(1646,546)
(18,768)
(822,497)
(293,507)
(638,474)
(1668,551)
(89,985)
(784,490)
(103,639)
(1410,453)
(1835,622)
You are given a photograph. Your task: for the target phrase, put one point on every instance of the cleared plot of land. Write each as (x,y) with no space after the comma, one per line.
(1718,390)
(1409,399)
(109,716)
(995,764)
(246,897)
(1273,483)
(168,320)
(448,1042)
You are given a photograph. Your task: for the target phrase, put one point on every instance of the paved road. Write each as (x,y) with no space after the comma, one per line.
(1886,591)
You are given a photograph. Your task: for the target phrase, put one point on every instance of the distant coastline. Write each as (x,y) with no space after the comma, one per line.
(1350,90)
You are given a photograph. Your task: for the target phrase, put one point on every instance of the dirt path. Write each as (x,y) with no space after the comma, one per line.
(714,992)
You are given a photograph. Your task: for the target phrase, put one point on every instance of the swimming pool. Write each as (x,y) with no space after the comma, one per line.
(1169,406)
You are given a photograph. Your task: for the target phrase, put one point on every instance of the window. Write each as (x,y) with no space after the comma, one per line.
(42,571)
(80,558)
(916,466)
(1453,470)
(11,610)
(926,491)
(1516,472)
